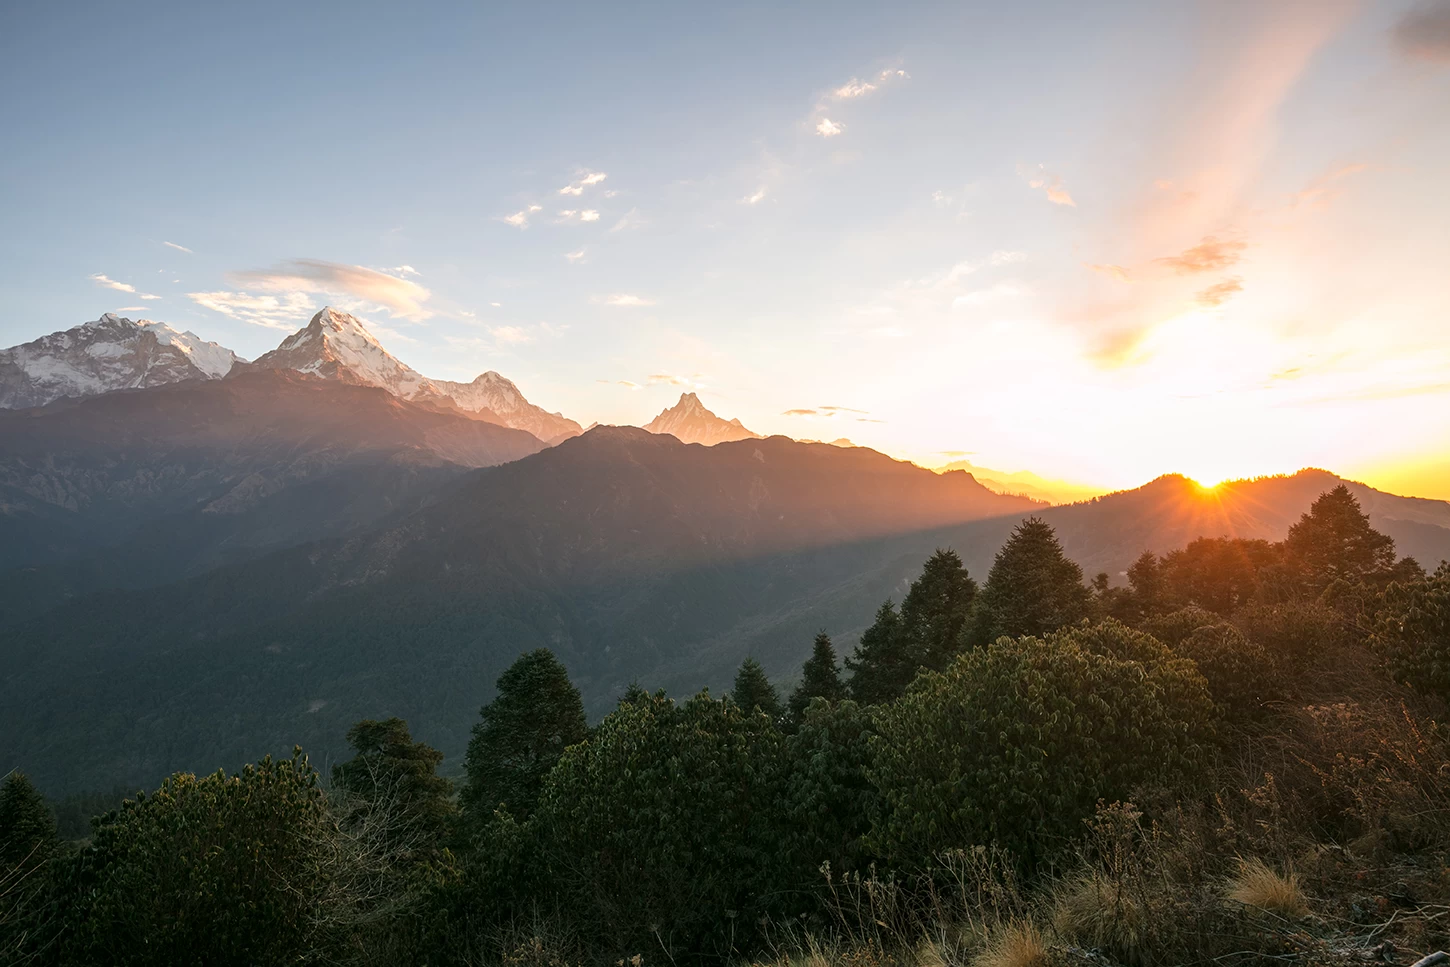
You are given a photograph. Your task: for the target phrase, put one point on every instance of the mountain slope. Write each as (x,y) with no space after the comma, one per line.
(337,346)
(689,421)
(187,475)
(108,354)
(624,551)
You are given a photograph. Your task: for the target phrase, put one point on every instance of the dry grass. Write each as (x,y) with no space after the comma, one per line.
(1257,886)
(1016,944)
(1095,912)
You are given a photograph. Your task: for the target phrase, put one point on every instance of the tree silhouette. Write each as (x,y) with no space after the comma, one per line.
(752,690)
(1032,589)
(820,678)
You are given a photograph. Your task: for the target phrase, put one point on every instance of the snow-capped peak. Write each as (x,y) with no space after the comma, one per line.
(690,421)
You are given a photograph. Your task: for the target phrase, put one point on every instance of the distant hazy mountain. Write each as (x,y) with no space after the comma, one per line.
(631,554)
(1024,482)
(109,354)
(338,346)
(142,487)
(689,422)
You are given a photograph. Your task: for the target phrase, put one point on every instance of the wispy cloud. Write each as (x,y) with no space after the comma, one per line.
(1209,255)
(130,309)
(1050,185)
(576,215)
(670,379)
(589,178)
(829,412)
(756,198)
(576,256)
(273,312)
(1219,293)
(109,283)
(402,298)
(510,335)
(623,300)
(630,220)
(802,411)
(1424,32)
(856,87)
(628,384)
(1324,189)
(403,271)
(827,128)
(520,218)
(1111,271)
(179,248)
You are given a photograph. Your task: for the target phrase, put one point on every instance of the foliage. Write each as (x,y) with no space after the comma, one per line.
(1032,589)
(1016,743)
(882,665)
(389,765)
(1334,540)
(28,845)
(663,829)
(536,716)
(820,678)
(1218,574)
(27,828)
(1145,578)
(1240,674)
(829,800)
(754,692)
(1175,627)
(1292,632)
(1413,632)
(217,870)
(936,608)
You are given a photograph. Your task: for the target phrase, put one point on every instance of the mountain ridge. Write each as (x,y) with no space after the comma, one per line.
(691,422)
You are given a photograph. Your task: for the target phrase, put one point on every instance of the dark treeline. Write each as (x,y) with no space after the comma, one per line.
(1167,771)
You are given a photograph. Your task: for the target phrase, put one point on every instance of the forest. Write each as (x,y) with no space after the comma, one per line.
(1235,756)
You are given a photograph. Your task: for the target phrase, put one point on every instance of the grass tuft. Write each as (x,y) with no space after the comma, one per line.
(1017,943)
(1257,886)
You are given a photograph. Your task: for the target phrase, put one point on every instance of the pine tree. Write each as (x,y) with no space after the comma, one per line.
(390,769)
(936,608)
(1145,576)
(1334,541)
(536,716)
(27,827)
(883,663)
(820,678)
(753,690)
(1032,589)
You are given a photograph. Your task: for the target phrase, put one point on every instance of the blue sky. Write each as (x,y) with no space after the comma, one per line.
(1099,241)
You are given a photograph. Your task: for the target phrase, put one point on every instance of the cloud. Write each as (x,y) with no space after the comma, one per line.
(839,409)
(1209,255)
(112,284)
(510,335)
(1324,189)
(623,300)
(628,384)
(575,256)
(956,453)
(179,248)
(1052,186)
(630,220)
(669,379)
(1424,32)
(148,296)
(853,88)
(827,128)
(130,309)
(404,271)
(1110,270)
(577,187)
(862,419)
(400,297)
(273,312)
(1220,292)
(520,219)
(754,199)
(800,412)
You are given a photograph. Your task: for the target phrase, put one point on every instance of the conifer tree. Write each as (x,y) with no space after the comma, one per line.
(820,678)
(936,608)
(27,827)
(390,767)
(536,716)
(753,690)
(882,664)
(1032,589)
(1334,541)
(1145,577)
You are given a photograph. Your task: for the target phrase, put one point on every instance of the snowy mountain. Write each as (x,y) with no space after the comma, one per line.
(491,393)
(335,345)
(108,354)
(689,421)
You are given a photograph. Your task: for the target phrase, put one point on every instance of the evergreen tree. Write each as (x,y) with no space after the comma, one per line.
(536,716)
(1145,577)
(390,768)
(27,828)
(936,608)
(753,690)
(882,664)
(1334,541)
(820,678)
(1032,589)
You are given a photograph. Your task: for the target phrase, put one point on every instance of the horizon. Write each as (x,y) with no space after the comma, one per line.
(1104,246)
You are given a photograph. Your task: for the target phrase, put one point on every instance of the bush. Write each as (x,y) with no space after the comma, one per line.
(1174,627)
(1412,633)
(217,870)
(1292,632)
(829,801)
(1015,744)
(1240,675)
(663,828)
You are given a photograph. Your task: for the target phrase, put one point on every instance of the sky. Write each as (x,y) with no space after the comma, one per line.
(1098,241)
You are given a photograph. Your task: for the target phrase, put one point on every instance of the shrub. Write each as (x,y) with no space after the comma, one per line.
(1016,743)
(663,828)
(1241,677)
(1174,627)
(217,870)
(829,801)
(1412,632)
(1292,632)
